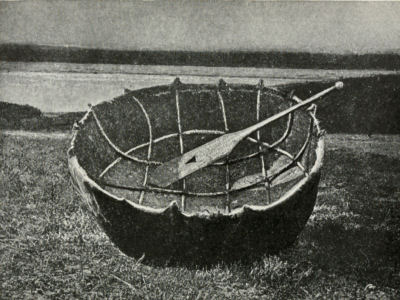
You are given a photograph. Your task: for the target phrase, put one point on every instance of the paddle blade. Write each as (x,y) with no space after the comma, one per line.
(287,176)
(277,165)
(247,181)
(166,174)
(194,160)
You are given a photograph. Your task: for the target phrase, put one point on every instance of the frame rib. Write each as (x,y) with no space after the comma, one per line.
(298,155)
(178,116)
(314,112)
(262,161)
(114,147)
(149,148)
(227,172)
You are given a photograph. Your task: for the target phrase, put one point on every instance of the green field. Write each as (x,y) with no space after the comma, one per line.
(50,248)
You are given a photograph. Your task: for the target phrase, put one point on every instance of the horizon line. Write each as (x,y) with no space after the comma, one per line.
(395,51)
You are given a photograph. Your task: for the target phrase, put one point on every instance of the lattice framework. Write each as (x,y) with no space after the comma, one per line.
(262,153)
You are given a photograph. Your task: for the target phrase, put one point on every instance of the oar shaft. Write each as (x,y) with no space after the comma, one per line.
(218,148)
(249,130)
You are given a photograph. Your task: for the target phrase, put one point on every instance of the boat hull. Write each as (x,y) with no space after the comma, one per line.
(169,235)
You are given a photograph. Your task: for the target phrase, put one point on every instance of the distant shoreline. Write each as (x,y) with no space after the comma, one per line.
(267,59)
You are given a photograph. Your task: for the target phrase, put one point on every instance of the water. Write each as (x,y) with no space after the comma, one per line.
(62,87)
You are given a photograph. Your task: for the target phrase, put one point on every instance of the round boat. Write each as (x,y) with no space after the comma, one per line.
(253,202)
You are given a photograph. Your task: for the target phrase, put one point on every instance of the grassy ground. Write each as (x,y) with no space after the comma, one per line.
(50,247)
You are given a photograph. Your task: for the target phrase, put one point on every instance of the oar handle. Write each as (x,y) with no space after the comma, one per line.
(249,130)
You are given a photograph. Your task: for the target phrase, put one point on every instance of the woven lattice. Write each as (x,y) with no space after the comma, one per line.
(258,154)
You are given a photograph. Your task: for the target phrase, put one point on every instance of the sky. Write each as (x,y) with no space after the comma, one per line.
(335,27)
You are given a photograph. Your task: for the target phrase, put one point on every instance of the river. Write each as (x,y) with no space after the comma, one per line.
(64,87)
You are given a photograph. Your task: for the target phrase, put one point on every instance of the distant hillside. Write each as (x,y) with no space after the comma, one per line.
(12,114)
(365,105)
(26,117)
(10,111)
(269,59)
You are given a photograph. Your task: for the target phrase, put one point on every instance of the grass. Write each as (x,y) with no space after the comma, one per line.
(51,248)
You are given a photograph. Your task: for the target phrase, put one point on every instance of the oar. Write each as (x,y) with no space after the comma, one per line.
(204,155)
